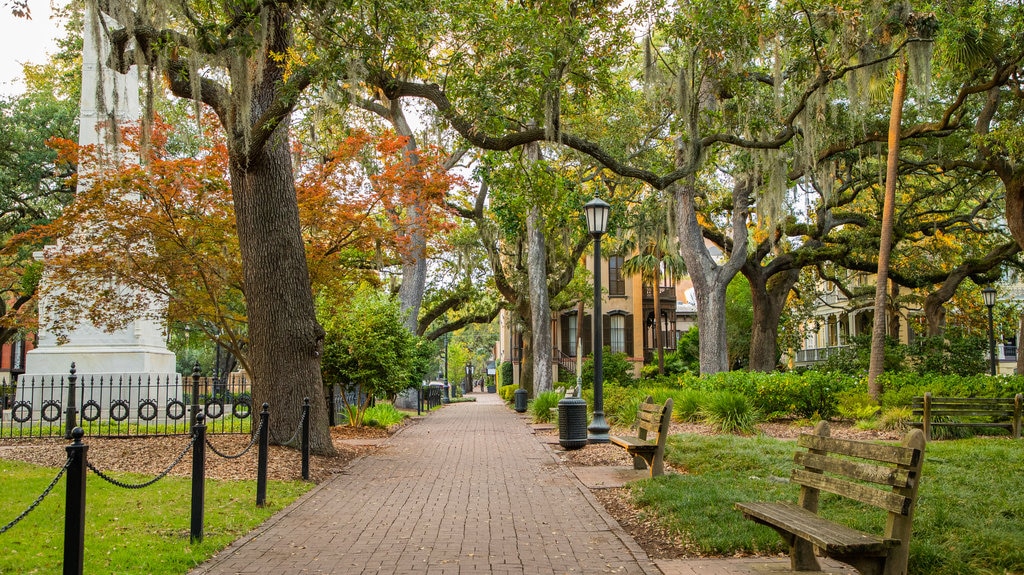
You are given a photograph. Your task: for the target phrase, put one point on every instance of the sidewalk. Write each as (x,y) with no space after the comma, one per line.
(466,490)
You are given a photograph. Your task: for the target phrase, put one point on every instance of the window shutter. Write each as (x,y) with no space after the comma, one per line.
(588,335)
(564,325)
(606,334)
(629,334)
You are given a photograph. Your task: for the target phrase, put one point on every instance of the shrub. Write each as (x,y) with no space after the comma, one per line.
(730,412)
(382,415)
(541,405)
(616,367)
(506,391)
(507,373)
(856,404)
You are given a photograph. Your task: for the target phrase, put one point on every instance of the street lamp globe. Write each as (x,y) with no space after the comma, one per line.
(597,216)
(989,294)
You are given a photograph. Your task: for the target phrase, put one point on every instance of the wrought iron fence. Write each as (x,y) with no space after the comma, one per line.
(123,405)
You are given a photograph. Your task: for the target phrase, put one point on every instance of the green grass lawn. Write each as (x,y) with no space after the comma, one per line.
(969,518)
(136,531)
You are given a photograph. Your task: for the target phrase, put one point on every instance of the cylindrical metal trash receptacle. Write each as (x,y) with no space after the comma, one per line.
(520,400)
(572,423)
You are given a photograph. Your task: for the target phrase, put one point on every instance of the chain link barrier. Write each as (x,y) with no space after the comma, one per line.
(39,499)
(297,429)
(255,438)
(163,474)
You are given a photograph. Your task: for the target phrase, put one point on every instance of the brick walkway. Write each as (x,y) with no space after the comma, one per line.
(468,489)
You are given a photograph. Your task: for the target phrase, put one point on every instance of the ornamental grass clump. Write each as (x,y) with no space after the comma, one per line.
(729,412)
(382,415)
(540,407)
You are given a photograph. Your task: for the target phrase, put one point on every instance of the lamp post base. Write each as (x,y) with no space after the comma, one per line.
(597,432)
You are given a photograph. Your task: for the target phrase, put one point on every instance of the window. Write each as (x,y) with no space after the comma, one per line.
(616,283)
(571,324)
(617,334)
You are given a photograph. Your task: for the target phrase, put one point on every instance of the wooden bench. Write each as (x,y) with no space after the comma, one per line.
(1001,412)
(848,468)
(648,451)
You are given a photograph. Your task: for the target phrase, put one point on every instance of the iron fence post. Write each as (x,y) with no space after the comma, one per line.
(195,394)
(70,412)
(330,406)
(261,461)
(74,504)
(198,477)
(305,439)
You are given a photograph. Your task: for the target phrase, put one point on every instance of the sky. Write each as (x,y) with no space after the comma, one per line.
(24,41)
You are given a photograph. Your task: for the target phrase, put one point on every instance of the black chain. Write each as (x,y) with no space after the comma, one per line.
(297,429)
(39,499)
(255,437)
(163,474)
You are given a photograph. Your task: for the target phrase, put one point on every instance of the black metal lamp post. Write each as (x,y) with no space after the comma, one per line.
(989,294)
(597,224)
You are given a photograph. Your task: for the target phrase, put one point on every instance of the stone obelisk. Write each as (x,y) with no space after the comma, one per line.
(109,100)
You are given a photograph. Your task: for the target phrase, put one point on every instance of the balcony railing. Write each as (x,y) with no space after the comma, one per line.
(815,355)
(665,292)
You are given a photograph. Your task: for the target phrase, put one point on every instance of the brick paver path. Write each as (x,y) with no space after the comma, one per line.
(467,490)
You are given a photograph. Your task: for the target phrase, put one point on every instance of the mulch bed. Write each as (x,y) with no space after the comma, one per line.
(126,455)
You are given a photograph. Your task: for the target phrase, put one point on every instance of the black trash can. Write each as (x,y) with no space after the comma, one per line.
(572,423)
(520,400)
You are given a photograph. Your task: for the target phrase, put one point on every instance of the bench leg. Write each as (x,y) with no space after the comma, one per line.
(639,462)
(801,552)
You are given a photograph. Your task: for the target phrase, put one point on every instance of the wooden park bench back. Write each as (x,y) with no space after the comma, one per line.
(648,447)
(1001,412)
(883,476)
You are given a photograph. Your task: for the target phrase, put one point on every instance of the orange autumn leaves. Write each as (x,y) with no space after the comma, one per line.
(168,226)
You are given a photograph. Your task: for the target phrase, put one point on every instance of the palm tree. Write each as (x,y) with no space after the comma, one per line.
(653,252)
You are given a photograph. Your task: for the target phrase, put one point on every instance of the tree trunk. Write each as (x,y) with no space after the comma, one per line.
(935,314)
(414,258)
(1020,356)
(657,322)
(709,279)
(893,329)
(768,297)
(526,365)
(877,363)
(540,303)
(285,339)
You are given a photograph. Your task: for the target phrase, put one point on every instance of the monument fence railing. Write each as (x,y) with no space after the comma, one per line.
(123,405)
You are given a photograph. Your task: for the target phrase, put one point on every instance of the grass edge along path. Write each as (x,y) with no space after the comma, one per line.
(969,518)
(129,531)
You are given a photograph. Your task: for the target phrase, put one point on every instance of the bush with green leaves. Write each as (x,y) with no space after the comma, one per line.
(616,367)
(856,404)
(368,349)
(506,371)
(506,391)
(951,353)
(730,412)
(540,406)
(810,394)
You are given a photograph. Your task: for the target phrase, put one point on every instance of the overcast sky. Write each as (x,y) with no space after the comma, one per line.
(24,41)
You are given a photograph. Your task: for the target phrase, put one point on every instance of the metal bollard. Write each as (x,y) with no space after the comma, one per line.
(198,477)
(74,505)
(261,459)
(305,439)
(195,395)
(69,412)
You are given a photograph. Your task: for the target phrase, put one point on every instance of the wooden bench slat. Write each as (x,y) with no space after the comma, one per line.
(832,538)
(886,453)
(880,474)
(886,500)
